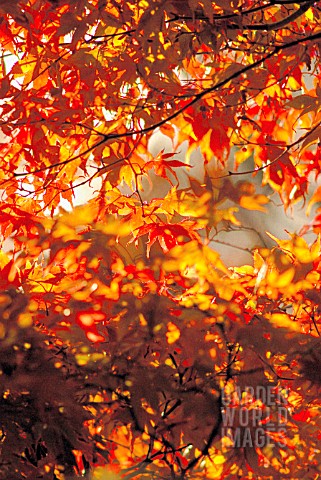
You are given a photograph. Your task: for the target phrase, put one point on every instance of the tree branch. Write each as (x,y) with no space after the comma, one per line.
(268,27)
(197,98)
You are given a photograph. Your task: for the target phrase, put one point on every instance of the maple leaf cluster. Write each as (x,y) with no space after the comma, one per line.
(128,349)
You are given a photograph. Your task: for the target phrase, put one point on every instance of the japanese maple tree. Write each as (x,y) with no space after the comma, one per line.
(128,349)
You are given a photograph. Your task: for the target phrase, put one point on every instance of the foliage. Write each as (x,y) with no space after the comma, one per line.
(124,337)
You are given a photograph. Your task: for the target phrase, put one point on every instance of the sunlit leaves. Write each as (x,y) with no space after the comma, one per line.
(163,165)
(298,249)
(86,285)
(120,324)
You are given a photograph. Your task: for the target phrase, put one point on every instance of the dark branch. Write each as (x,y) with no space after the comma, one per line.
(197,98)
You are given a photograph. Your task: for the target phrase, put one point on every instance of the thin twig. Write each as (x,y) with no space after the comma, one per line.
(196,99)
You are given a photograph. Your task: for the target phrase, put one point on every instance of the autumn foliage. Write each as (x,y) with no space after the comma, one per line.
(125,341)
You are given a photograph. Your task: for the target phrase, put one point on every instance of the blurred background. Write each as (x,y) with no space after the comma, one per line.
(234,245)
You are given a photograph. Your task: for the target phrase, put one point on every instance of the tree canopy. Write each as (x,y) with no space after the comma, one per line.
(128,349)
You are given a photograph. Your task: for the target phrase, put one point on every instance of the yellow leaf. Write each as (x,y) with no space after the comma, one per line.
(65,232)
(4,259)
(112,227)
(195,260)
(302,251)
(219,459)
(254,202)
(173,333)
(280,280)
(258,260)
(214,470)
(28,265)
(82,358)
(283,320)
(251,304)
(244,270)
(299,248)
(225,291)
(82,215)
(309,15)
